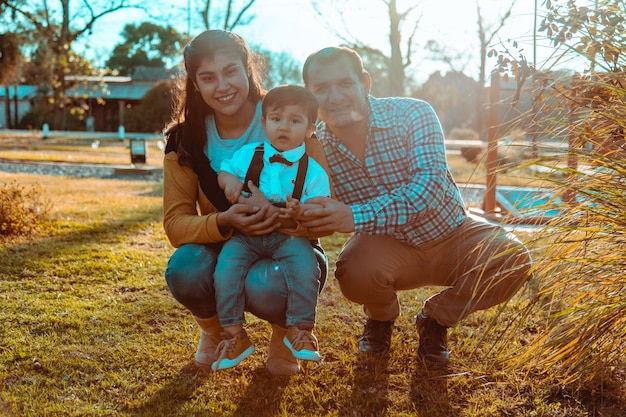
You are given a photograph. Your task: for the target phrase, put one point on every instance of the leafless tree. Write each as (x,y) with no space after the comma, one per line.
(401,50)
(229,15)
(486,36)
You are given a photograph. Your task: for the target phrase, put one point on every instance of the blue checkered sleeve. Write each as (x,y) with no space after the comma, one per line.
(405,188)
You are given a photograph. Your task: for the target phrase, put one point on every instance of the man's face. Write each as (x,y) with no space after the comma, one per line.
(340,92)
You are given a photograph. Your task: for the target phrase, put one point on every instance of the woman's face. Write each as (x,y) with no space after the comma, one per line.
(223,82)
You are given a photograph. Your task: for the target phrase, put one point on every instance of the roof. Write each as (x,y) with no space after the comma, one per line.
(133,90)
(109,86)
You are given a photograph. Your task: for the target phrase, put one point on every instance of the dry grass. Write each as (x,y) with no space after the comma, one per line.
(90,329)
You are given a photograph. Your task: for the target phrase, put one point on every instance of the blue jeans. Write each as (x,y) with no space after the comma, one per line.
(294,256)
(189,276)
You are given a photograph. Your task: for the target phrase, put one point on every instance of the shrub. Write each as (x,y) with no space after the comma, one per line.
(470,153)
(22,209)
(154,111)
(580,303)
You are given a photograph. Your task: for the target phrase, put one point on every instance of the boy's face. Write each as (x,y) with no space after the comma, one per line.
(287,126)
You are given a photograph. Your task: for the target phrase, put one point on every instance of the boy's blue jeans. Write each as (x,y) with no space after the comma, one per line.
(189,276)
(295,258)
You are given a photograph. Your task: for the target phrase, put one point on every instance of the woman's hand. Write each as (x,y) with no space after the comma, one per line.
(248,219)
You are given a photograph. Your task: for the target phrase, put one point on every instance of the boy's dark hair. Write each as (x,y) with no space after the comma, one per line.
(285,95)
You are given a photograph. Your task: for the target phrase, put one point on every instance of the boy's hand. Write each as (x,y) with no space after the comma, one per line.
(293,203)
(233,192)
(292,208)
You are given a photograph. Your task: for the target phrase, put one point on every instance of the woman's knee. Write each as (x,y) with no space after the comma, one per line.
(189,271)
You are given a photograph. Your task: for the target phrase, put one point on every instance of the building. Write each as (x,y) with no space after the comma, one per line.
(103,98)
(15,101)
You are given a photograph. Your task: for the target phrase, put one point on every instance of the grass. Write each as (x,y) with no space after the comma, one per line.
(89,329)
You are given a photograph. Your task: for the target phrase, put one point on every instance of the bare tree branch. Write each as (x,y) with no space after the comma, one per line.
(239,17)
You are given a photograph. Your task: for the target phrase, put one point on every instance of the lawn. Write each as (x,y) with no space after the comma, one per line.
(89,329)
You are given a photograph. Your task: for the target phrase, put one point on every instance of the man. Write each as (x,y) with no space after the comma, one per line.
(411,228)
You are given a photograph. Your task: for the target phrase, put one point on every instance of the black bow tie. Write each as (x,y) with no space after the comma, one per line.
(280,159)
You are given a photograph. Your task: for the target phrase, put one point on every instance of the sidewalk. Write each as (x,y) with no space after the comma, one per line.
(39,134)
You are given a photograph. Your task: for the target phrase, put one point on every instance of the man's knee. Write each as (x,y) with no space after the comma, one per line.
(356,278)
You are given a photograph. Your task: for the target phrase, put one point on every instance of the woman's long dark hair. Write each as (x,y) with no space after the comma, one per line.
(190,110)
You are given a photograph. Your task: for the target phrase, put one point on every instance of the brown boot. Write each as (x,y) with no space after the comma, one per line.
(280,361)
(209,339)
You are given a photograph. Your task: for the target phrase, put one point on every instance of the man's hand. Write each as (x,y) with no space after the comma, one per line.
(332,216)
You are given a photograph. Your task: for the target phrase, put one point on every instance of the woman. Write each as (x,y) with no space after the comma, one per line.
(218,111)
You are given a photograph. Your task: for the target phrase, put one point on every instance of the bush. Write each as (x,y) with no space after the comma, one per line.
(22,209)
(470,153)
(37,116)
(154,111)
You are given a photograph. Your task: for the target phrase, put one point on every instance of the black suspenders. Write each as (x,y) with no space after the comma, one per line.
(256,165)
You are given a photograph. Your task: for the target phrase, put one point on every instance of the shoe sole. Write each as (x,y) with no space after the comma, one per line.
(305,355)
(203,365)
(282,367)
(230,363)
(432,361)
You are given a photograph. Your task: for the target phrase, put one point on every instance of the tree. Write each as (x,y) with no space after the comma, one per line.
(147,45)
(227,16)
(55,27)
(486,36)
(451,97)
(280,68)
(9,67)
(153,113)
(401,50)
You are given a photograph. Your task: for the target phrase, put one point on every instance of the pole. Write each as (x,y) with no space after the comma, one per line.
(489,201)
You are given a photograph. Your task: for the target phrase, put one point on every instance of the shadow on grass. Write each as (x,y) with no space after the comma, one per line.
(172,396)
(429,392)
(370,387)
(263,395)
(40,256)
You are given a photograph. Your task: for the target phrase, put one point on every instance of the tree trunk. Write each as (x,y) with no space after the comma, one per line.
(7,106)
(396,70)
(15,107)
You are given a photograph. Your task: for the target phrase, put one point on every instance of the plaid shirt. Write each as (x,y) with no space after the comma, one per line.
(405,189)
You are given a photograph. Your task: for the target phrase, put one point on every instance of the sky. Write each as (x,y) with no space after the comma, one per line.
(292,26)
